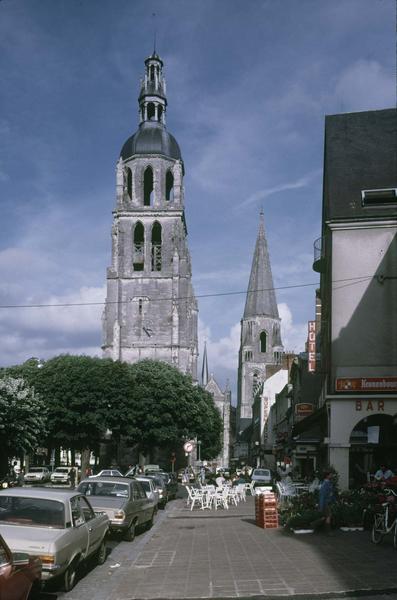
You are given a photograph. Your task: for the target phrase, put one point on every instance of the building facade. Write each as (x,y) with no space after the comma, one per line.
(222,401)
(260,342)
(358,266)
(151,310)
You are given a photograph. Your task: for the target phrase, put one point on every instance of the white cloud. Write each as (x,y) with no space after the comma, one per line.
(53,317)
(293,335)
(222,353)
(292,185)
(365,85)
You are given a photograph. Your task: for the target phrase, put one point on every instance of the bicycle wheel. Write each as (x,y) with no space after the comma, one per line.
(378,529)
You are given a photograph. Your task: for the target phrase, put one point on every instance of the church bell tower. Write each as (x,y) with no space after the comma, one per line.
(151,310)
(260,343)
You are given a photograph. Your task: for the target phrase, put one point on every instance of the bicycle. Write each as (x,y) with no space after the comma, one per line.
(381,526)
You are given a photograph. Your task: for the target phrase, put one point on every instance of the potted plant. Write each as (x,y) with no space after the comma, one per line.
(301,522)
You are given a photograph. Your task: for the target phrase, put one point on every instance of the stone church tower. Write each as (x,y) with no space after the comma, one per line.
(260,343)
(151,310)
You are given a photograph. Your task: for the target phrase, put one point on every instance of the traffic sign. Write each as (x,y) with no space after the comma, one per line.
(188,447)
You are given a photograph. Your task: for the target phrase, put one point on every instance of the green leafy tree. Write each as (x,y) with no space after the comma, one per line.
(22,419)
(85,397)
(167,408)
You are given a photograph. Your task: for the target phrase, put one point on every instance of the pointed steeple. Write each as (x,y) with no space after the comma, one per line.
(152,98)
(261,297)
(204,370)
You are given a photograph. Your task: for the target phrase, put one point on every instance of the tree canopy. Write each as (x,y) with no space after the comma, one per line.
(169,408)
(22,419)
(148,403)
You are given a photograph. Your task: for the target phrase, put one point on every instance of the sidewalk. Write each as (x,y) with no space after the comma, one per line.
(223,554)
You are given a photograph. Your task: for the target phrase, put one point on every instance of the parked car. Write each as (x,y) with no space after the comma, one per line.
(161,488)
(123,500)
(262,476)
(37,475)
(60,475)
(20,573)
(107,473)
(171,483)
(58,526)
(150,489)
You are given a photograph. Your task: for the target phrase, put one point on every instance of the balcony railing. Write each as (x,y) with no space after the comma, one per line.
(318,257)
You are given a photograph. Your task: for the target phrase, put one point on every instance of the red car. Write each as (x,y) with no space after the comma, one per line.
(20,574)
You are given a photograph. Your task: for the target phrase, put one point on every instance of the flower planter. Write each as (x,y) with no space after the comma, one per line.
(352,528)
(301,531)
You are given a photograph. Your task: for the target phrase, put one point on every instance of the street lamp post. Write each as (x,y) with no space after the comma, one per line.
(199,450)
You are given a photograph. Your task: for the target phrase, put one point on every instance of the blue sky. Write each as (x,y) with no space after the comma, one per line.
(248,84)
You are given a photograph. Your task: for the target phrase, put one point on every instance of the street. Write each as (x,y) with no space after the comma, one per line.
(223,554)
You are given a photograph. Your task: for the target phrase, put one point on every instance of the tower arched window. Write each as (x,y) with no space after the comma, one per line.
(139,247)
(159,112)
(169,186)
(156,247)
(263,341)
(151,111)
(151,73)
(148,187)
(129,182)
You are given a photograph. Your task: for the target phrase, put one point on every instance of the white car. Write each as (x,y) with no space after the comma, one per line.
(262,476)
(107,473)
(37,475)
(60,475)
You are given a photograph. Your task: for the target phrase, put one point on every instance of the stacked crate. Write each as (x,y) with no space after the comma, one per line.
(266,515)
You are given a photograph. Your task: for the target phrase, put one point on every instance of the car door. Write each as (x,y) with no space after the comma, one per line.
(95,532)
(14,582)
(136,501)
(81,537)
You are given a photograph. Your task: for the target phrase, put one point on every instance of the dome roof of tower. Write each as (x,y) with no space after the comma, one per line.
(151,138)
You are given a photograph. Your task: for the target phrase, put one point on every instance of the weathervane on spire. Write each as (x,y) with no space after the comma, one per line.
(154,32)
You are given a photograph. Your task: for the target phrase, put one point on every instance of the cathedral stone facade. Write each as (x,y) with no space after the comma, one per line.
(260,344)
(151,310)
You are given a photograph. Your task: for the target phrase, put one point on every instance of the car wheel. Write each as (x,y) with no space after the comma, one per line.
(69,577)
(101,553)
(129,535)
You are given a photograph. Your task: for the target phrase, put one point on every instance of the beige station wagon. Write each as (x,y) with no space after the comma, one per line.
(60,527)
(123,499)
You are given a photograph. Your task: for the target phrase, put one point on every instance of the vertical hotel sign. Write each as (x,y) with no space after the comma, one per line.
(311,346)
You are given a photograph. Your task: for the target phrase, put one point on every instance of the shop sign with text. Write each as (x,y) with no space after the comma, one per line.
(304,409)
(366,384)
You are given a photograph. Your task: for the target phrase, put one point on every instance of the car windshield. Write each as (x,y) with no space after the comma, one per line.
(38,512)
(262,472)
(61,470)
(145,485)
(36,470)
(103,488)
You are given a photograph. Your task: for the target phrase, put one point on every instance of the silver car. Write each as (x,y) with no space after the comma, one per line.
(123,500)
(59,526)
(150,489)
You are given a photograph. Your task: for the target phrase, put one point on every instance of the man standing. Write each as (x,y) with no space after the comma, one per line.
(72,477)
(383,474)
(326,498)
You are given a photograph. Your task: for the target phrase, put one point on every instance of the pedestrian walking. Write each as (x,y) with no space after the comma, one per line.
(21,478)
(202,475)
(326,499)
(72,477)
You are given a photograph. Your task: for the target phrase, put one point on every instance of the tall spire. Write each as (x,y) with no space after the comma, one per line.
(152,98)
(261,297)
(204,370)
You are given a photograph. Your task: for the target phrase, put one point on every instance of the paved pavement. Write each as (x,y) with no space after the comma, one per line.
(223,554)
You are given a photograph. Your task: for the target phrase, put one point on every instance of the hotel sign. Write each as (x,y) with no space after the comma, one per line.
(311,347)
(366,384)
